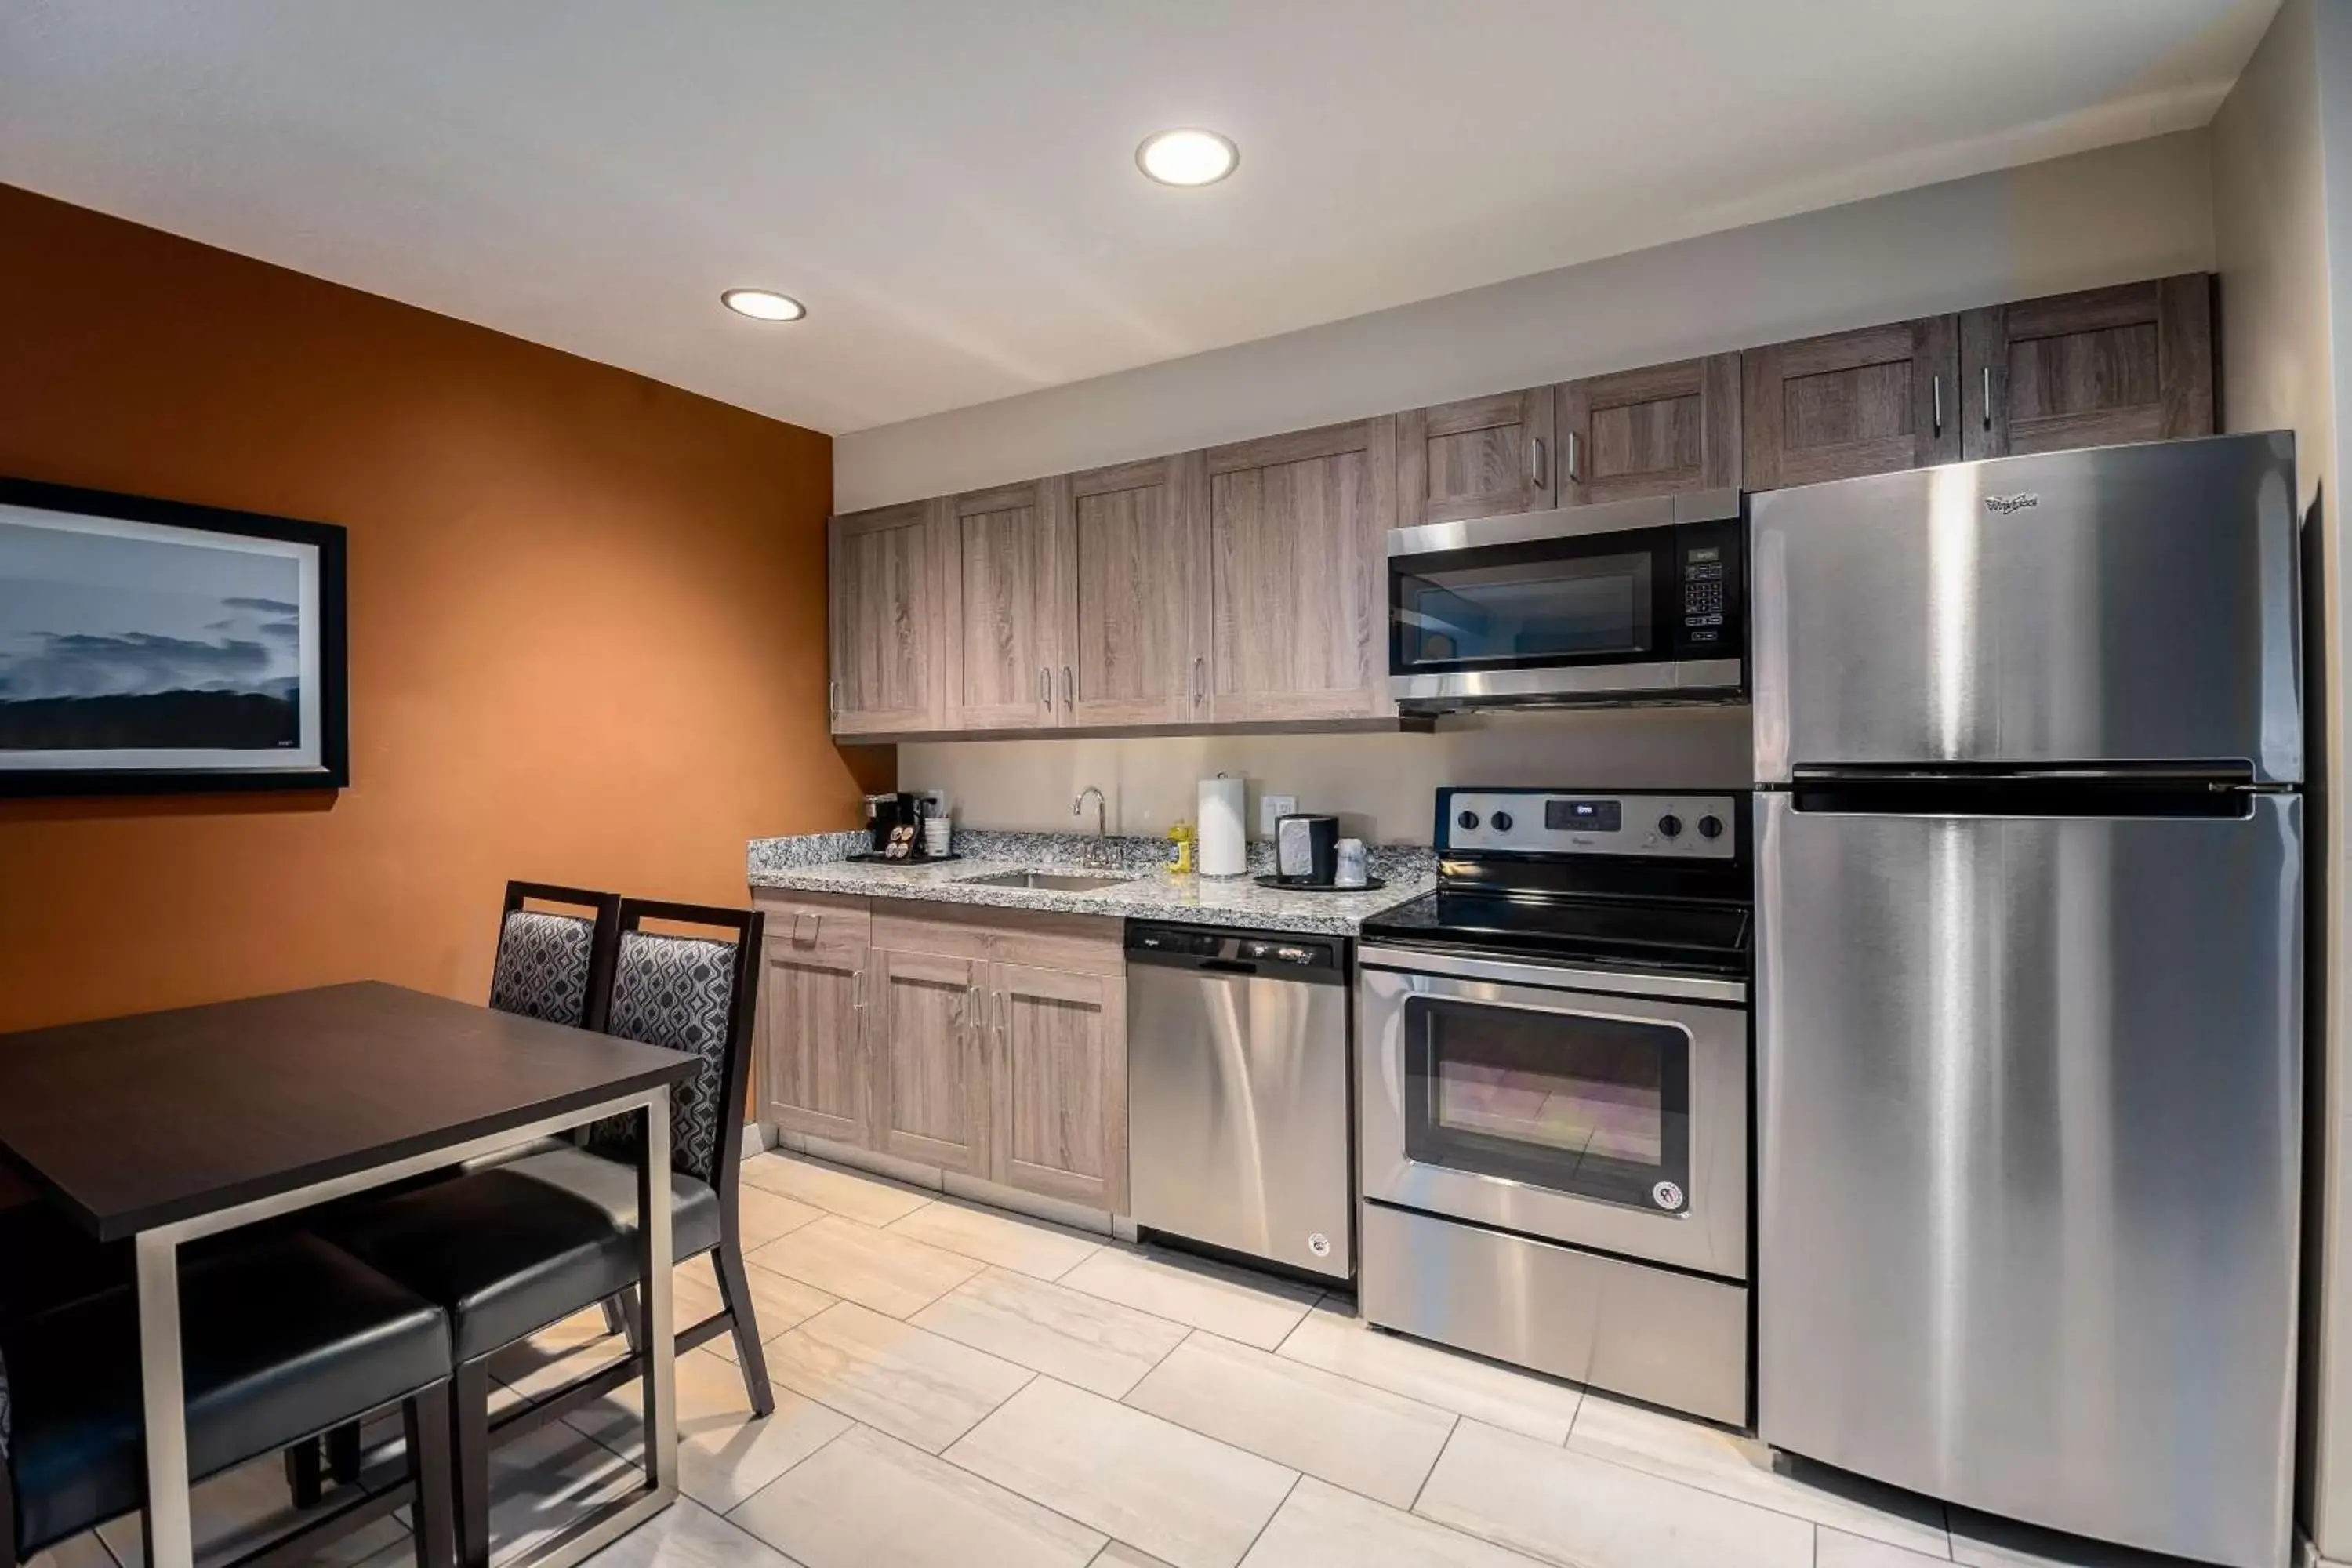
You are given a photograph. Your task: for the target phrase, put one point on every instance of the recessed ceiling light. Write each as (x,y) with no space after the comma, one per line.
(1187,157)
(763,305)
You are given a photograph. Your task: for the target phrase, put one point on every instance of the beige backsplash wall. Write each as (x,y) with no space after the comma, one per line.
(1380,783)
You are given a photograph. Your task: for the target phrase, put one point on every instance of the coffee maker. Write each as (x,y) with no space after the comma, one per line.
(885,815)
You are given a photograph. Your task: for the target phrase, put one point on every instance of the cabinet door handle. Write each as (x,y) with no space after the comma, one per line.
(1045,687)
(1200,679)
(1988,397)
(972,1012)
(997,1013)
(1536,462)
(860,1004)
(1070,689)
(1935,393)
(1573,477)
(833,699)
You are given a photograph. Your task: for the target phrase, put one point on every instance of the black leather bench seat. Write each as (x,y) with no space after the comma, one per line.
(511,1249)
(279,1341)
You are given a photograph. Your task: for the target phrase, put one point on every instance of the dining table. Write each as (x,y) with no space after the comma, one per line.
(164,1128)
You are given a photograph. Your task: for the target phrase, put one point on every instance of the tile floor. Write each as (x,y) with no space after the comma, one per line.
(957,1387)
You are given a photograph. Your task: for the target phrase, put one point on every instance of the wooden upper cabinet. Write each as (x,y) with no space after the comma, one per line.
(931,1088)
(1652,432)
(2133,362)
(1128,556)
(1852,403)
(1059,1120)
(885,578)
(1298,532)
(1483,456)
(998,607)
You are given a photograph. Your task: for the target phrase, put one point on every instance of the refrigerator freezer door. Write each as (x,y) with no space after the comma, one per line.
(2132,605)
(2030,1094)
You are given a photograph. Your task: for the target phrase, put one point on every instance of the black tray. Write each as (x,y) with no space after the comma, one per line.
(1370,884)
(878,858)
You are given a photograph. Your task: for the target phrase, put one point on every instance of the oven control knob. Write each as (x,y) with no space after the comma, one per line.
(1670,826)
(1502,822)
(1710,827)
(1467,822)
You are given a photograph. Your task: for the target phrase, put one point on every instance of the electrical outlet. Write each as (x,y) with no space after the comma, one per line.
(1269,807)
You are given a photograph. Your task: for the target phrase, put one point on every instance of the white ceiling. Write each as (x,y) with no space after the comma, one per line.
(950,184)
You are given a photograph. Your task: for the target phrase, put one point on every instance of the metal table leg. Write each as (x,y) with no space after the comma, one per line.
(169,1531)
(655,1263)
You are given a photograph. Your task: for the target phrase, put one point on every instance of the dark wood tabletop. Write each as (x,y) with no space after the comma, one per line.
(130,1124)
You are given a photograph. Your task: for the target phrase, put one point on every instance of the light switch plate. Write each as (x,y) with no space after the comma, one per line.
(1269,807)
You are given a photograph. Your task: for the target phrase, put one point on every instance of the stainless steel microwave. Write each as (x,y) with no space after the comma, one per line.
(1625,603)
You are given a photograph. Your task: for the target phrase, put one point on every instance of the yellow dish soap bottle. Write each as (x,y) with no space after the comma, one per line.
(1180,862)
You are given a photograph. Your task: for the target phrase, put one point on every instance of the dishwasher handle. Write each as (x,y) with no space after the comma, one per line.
(1227,966)
(1285,956)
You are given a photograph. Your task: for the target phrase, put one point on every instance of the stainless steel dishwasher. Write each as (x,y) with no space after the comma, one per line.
(1238,1093)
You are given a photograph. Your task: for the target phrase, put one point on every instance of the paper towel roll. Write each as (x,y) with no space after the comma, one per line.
(1225,848)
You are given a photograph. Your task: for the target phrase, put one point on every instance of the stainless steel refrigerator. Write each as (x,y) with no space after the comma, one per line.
(2028,965)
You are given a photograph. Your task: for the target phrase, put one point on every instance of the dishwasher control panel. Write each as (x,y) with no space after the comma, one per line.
(1238,952)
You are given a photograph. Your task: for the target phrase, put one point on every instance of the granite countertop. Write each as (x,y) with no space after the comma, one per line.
(816,863)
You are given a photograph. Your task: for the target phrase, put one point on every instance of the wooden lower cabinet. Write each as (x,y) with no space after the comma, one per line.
(925,1043)
(1061,1085)
(973,1040)
(812,999)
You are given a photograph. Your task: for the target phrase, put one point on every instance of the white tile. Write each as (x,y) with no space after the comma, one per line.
(868,1199)
(1184,1499)
(1008,1241)
(1322,1526)
(237,1510)
(83,1550)
(544,1481)
(762,1215)
(689,1535)
(1986,1540)
(1369,1441)
(1836,1548)
(1083,1339)
(912,1384)
(872,1267)
(1571,1508)
(557,1354)
(1120,1554)
(1334,1340)
(868,1500)
(1742,1468)
(778,1302)
(724,1454)
(1253,1309)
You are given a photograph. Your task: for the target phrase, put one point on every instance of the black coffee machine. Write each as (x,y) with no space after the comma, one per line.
(885,815)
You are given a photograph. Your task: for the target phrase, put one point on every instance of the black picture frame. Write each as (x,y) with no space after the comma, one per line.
(331,769)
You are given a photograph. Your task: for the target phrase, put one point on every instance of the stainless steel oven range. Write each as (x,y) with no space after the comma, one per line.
(1554,1086)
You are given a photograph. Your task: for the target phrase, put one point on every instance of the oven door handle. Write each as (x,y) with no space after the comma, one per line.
(1551,976)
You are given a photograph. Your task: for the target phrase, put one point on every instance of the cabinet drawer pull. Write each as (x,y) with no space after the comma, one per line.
(815,919)
(1536,462)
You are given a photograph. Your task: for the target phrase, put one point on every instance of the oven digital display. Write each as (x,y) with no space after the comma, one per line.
(1583,815)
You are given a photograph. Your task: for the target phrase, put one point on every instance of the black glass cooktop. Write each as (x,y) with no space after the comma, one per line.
(1650,934)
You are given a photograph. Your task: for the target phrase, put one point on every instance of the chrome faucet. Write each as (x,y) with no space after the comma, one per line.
(1102,808)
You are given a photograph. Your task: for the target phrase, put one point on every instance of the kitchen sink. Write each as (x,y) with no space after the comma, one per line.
(1054,881)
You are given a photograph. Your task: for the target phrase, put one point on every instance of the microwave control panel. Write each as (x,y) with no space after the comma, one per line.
(1708,565)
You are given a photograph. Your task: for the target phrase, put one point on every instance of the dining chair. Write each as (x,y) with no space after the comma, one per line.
(556,965)
(282,1338)
(513,1249)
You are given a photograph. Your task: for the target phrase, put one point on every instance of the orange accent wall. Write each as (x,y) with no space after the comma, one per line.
(587,623)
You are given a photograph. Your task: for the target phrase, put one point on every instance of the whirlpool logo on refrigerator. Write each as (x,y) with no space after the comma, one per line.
(2001,506)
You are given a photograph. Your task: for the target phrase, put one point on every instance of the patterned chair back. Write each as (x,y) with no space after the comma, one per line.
(555,966)
(697,995)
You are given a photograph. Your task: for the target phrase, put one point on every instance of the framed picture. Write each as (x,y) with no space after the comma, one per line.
(153,646)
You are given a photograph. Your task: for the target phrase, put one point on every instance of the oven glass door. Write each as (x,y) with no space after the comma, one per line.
(1596,599)
(1594,1107)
